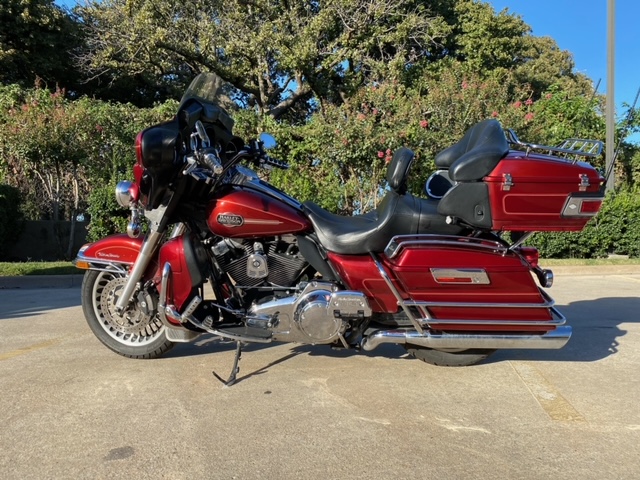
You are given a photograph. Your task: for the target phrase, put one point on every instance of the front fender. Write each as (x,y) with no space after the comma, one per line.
(115,250)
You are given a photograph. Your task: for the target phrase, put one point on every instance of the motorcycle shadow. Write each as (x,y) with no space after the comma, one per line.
(210,344)
(597,332)
(596,335)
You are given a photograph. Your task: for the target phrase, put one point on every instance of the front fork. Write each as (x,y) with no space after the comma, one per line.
(145,256)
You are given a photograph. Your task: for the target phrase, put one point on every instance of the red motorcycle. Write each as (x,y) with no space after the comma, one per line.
(438,275)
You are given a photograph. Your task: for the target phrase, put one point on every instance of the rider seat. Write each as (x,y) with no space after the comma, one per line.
(398,213)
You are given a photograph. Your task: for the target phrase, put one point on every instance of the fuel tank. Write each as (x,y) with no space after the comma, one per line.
(242,212)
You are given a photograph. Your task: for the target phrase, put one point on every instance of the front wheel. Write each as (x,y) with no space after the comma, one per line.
(461,358)
(135,334)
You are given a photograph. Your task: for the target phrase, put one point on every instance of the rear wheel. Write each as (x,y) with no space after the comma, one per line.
(135,334)
(460,358)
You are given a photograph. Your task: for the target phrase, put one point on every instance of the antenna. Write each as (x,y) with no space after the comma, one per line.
(623,134)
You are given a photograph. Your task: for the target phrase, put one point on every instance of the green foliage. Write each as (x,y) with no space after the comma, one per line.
(10,217)
(56,150)
(107,216)
(345,148)
(341,84)
(615,230)
(276,54)
(36,42)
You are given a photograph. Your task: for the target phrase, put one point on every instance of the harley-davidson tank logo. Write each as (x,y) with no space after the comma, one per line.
(230,220)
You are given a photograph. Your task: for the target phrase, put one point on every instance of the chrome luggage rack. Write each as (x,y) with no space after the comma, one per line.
(571,149)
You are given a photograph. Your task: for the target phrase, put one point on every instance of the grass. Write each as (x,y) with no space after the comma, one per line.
(557,262)
(9,269)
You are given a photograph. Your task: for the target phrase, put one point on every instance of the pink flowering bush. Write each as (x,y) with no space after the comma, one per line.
(345,149)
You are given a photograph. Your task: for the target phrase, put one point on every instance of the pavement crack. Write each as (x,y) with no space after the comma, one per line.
(29,349)
(546,394)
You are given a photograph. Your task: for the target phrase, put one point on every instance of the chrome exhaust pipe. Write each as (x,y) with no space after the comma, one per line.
(553,339)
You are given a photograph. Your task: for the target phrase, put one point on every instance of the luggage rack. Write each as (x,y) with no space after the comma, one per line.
(571,149)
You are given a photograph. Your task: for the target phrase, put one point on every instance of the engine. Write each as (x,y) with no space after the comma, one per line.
(319,314)
(274,262)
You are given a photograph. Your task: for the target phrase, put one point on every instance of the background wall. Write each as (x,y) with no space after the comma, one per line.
(47,240)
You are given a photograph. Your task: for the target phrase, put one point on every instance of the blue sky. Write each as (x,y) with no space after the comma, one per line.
(580,26)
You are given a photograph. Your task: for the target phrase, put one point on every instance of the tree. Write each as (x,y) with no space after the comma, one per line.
(275,53)
(36,42)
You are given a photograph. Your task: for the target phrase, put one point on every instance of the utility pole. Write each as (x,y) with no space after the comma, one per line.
(611,105)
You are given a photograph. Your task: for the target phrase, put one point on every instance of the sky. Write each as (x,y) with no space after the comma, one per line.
(580,26)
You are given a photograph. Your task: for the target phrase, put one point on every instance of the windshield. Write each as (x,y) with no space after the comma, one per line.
(207,87)
(210,91)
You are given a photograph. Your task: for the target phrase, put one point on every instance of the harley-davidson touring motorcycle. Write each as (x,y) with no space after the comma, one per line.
(446,276)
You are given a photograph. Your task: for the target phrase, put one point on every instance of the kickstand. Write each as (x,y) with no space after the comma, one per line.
(234,370)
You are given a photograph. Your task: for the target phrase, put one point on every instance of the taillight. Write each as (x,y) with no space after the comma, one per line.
(531,255)
(590,207)
(582,206)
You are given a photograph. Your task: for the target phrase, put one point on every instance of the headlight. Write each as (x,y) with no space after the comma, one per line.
(125,193)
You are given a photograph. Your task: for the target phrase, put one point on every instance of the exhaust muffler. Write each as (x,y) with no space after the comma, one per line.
(553,339)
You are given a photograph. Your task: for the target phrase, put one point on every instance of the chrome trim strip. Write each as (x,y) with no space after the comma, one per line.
(548,303)
(479,305)
(499,323)
(101,265)
(478,276)
(396,294)
(400,242)
(553,339)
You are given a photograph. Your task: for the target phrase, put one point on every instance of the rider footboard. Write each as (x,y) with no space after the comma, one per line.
(460,284)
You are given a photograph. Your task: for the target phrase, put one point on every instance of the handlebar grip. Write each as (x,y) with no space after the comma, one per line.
(276,163)
(211,161)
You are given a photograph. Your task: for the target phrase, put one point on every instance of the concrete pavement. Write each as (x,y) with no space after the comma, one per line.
(70,408)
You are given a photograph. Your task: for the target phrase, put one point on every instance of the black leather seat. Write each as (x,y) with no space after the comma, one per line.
(467,202)
(476,154)
(397,214)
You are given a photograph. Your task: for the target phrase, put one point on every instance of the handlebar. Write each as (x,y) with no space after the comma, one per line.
(276,163)
(207,156)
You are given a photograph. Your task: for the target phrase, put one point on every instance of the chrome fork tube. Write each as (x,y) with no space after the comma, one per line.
(178,229)
(142,262)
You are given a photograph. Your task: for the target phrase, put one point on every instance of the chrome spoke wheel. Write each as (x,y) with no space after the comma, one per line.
(138,332)
(133,327)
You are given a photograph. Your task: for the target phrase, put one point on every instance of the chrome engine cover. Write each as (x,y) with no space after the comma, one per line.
(317,315)
(314,320)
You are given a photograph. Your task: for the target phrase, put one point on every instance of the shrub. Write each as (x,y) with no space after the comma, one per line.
(107,216)
(615,230)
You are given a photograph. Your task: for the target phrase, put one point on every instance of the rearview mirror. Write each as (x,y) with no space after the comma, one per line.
(268,142)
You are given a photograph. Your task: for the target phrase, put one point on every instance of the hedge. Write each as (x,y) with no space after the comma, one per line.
(615,230)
